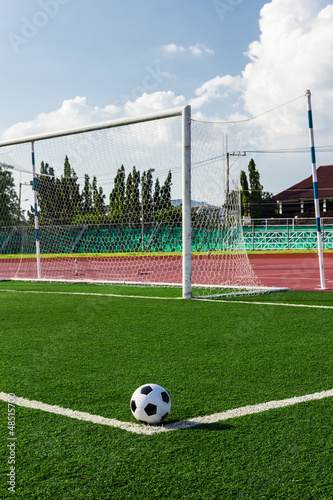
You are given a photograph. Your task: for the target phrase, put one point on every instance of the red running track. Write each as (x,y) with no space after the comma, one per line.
(206,269)
(295,271)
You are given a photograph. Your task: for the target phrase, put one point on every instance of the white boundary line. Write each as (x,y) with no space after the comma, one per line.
(94,294)
(182,424)
(311,306)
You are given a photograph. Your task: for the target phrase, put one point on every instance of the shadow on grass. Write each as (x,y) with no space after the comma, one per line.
(188,425)
(211,427)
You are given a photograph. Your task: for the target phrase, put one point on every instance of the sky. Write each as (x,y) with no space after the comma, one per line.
(71,63)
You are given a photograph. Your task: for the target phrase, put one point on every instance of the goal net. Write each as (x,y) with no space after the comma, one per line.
(151,200)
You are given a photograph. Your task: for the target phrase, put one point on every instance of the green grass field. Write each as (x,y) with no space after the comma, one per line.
(80,347)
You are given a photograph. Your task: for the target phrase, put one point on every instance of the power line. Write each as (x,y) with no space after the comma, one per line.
(321,149)
(277,107)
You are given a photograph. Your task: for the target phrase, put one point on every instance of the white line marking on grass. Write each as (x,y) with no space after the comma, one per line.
(93,294)
(311,306)
(249,410)
(182,424)
(79,415)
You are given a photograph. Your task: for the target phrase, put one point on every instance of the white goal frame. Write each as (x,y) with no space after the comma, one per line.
(185,113)
(189,276)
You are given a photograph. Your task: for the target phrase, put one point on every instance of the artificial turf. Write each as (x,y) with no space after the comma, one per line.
(90,352)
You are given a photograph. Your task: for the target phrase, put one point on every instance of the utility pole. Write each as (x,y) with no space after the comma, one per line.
(20,196)
(234,153)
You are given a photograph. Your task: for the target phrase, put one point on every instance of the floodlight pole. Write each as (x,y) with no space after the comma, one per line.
(34,187)
(315,193)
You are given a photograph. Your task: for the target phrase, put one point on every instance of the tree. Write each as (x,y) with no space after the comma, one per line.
(254,197)
(165,198)
(61,202)
(117,196)
(45,185)
(128,193)
(132,196)
(157,194)
(245,193)
(87,203)
(134,193)
(146,193)
(98,197)
(71,197)
(256,190)
(10,212)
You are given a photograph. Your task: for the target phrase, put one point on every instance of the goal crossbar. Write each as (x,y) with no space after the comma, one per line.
(97,126)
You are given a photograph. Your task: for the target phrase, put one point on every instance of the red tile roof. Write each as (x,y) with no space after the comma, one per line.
(304,190)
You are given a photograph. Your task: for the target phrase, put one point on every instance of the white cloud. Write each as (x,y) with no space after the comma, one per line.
(71,114)
(75,113)
(172,48)
(149,103)
(216,88)
(294,53)
(196,50)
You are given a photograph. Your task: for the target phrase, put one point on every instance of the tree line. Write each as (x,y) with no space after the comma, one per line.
(62,202)
(9,201)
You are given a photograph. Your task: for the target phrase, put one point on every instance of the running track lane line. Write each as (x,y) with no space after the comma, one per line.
(172,298)
(182,424)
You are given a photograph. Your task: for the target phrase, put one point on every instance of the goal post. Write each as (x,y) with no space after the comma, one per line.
(148,200)
(186,205)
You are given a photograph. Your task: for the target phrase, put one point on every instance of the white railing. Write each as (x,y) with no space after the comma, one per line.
(287,234)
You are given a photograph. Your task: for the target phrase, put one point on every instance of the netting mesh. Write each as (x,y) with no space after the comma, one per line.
(217,238)
(110,207)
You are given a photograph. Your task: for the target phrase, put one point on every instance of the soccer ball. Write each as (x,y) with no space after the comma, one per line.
(150,404)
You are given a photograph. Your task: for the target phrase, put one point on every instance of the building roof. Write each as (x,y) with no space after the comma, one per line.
(304,190)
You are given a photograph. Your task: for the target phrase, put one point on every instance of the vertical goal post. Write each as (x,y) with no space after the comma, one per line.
(194,242)
(315,192)
(186,207)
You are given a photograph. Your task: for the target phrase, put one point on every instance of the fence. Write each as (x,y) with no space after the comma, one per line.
(287,234)
(268,234)
(116,238)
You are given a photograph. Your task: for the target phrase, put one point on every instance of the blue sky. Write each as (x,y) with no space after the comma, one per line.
(103,50)
(68,63)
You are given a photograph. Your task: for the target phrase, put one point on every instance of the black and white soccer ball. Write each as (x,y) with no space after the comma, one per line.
(150,404)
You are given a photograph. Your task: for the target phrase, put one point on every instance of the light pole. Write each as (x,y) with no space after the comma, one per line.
(142,211)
